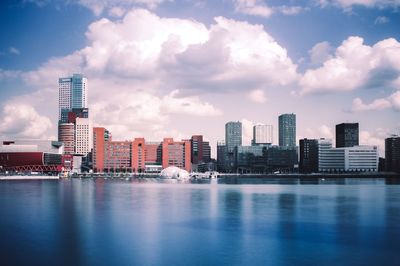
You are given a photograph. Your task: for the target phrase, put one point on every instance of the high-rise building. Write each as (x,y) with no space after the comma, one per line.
(287,130)
(262,135)
(347,135)
(72,94)
(176,153)
(392,154)
(308,156)
(233,135)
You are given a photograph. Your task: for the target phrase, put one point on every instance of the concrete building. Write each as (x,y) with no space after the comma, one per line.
(392,154)
(347,135)
(82,136)
(262,135)
(176,153)
(287,130)
(72,94)
(308,156)
(66,135)
(233,135)
(347,159)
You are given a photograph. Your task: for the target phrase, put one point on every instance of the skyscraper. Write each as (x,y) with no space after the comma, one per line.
(287,130)
(262,135)
(233,135)
(346,135)
(392,154)
(72,94)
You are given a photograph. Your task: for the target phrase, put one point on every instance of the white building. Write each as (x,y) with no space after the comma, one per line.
(348,159)
(262,135)
(83,136)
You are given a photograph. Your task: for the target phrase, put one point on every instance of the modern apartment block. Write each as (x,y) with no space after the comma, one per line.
(262,135)
(347,135)
(287,130)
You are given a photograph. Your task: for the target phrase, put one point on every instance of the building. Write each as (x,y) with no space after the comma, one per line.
(233,135)
(347,135)
(347,159)
(100,137)
(221,151)
(117,156)
(28,156)
(262,135)
(72,94)
(77,112)
(82,136)
(287,130)
(201,150)
(138,155)
(392,154)
(66,135)
(281,159)
(176,153)
(308,156)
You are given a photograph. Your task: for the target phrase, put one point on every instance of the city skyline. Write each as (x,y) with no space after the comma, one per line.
(194,69)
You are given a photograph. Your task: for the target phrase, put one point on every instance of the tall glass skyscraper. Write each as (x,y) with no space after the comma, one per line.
(72,94)
(233,135)
(287,130)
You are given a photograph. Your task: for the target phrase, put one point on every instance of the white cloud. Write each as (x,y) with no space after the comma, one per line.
(393,101)
(136,64)
(247,131)
(97,7)
(257,96)
(22,120)
(375,138)
(348,4)
(15,51)
(259,8)
(355,65)
(381,20)
(9,74)
(116,11)
(253,7)
(322,131)
(320,53)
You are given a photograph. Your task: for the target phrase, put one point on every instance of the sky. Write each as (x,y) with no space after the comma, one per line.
(176,68)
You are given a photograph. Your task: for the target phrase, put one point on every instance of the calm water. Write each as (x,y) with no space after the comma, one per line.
(149,222)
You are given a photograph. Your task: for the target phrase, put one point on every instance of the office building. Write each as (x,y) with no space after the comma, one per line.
(262,135)
(83,136)
(176,153)
(347,135)
(392,154)
(308,156)
(100,137)
(138,155)
(201,150)
(287,130)
(233,135)
(72,94)
(66,135)
(117,156)
(346,159)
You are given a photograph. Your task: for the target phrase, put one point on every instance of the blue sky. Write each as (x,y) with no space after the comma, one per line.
(159,68)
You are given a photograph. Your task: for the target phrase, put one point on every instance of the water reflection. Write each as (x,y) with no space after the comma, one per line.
(145,222)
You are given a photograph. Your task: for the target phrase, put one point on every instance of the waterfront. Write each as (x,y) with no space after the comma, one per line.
(167,222)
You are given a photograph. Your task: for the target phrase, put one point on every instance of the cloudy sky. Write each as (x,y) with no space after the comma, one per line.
(159,68)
